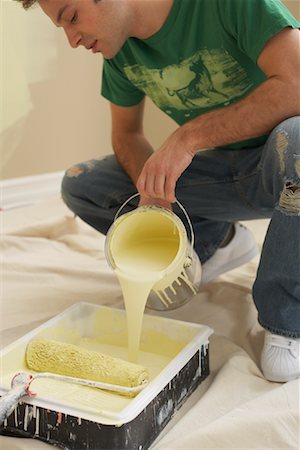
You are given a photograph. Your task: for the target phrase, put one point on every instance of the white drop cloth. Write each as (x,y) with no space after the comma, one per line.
(52,261)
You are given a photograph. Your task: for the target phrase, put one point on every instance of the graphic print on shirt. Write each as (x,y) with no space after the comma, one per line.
(209,78)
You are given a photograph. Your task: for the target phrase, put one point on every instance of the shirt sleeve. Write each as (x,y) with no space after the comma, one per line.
(253,22)
(117,88)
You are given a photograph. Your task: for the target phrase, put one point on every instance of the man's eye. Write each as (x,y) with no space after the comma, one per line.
(74,18)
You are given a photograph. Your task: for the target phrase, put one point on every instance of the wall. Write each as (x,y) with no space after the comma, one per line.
(52,114)
(294,7)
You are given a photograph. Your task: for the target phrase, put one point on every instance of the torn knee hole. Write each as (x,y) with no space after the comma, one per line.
(87,166)
(292,187)
(290,198)
(74,171)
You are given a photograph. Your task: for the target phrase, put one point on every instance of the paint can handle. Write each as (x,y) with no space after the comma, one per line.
(190,226)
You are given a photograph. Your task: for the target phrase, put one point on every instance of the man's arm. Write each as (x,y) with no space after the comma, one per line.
(273,101)
(130,146)
(129,143)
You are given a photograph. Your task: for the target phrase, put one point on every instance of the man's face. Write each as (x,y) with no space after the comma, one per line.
(101,26)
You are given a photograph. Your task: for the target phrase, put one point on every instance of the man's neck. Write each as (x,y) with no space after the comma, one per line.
(150,16)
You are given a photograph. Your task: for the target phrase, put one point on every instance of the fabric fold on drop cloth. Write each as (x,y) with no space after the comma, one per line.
(51,264)
(53,260)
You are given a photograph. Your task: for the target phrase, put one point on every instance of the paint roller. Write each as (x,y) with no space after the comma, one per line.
(73,364)
(45,355)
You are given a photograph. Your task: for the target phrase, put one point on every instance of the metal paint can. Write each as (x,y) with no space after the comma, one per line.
(179,279)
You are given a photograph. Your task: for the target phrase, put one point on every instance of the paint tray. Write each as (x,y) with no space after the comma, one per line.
(78,417)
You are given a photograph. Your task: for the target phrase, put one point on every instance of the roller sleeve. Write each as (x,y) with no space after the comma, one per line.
(43,355)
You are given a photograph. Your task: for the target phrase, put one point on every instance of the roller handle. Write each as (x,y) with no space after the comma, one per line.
(94,384)
(19,388)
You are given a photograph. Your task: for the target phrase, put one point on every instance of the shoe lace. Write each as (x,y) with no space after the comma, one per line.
(282,342)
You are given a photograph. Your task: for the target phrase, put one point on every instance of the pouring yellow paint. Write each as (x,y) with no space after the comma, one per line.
(147,249)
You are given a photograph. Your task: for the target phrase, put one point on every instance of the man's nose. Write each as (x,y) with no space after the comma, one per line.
(74,37)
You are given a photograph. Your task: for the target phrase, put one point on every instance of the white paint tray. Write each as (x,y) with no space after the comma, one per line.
(178,352)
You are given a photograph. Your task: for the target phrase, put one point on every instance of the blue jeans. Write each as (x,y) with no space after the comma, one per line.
(220,187)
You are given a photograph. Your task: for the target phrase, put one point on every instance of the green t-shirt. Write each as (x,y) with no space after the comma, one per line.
(204,57)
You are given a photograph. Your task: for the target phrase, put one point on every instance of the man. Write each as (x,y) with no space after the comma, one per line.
(227,71)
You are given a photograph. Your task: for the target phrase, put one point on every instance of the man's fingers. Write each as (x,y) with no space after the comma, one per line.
(170,190)
(159,186)
(140,185)
(150,184)
(156,182)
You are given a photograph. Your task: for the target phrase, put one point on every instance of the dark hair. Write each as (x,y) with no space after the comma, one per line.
(27,3)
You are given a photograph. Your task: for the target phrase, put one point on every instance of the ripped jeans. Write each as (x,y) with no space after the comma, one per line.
(220,187)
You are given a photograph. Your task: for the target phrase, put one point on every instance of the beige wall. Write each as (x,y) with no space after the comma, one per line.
(294,6)
(52,114)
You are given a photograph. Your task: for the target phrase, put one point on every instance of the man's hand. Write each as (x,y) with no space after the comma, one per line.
(145,201)
(162,170)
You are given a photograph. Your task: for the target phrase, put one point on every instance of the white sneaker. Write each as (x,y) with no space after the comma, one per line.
(240,250)
(280,358)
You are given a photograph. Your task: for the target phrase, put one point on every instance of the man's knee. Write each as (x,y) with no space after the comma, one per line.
(288,135)
(73,181)
(287,148)
(101,182)
(289,125)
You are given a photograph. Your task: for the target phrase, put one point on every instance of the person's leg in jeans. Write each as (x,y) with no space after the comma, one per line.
(274,186)
(94,190)
(277,287)
(276,291)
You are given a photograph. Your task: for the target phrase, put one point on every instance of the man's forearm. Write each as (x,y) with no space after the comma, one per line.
(132,151)
(253,116)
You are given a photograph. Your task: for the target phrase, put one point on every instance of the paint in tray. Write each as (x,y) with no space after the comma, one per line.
(130,423)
